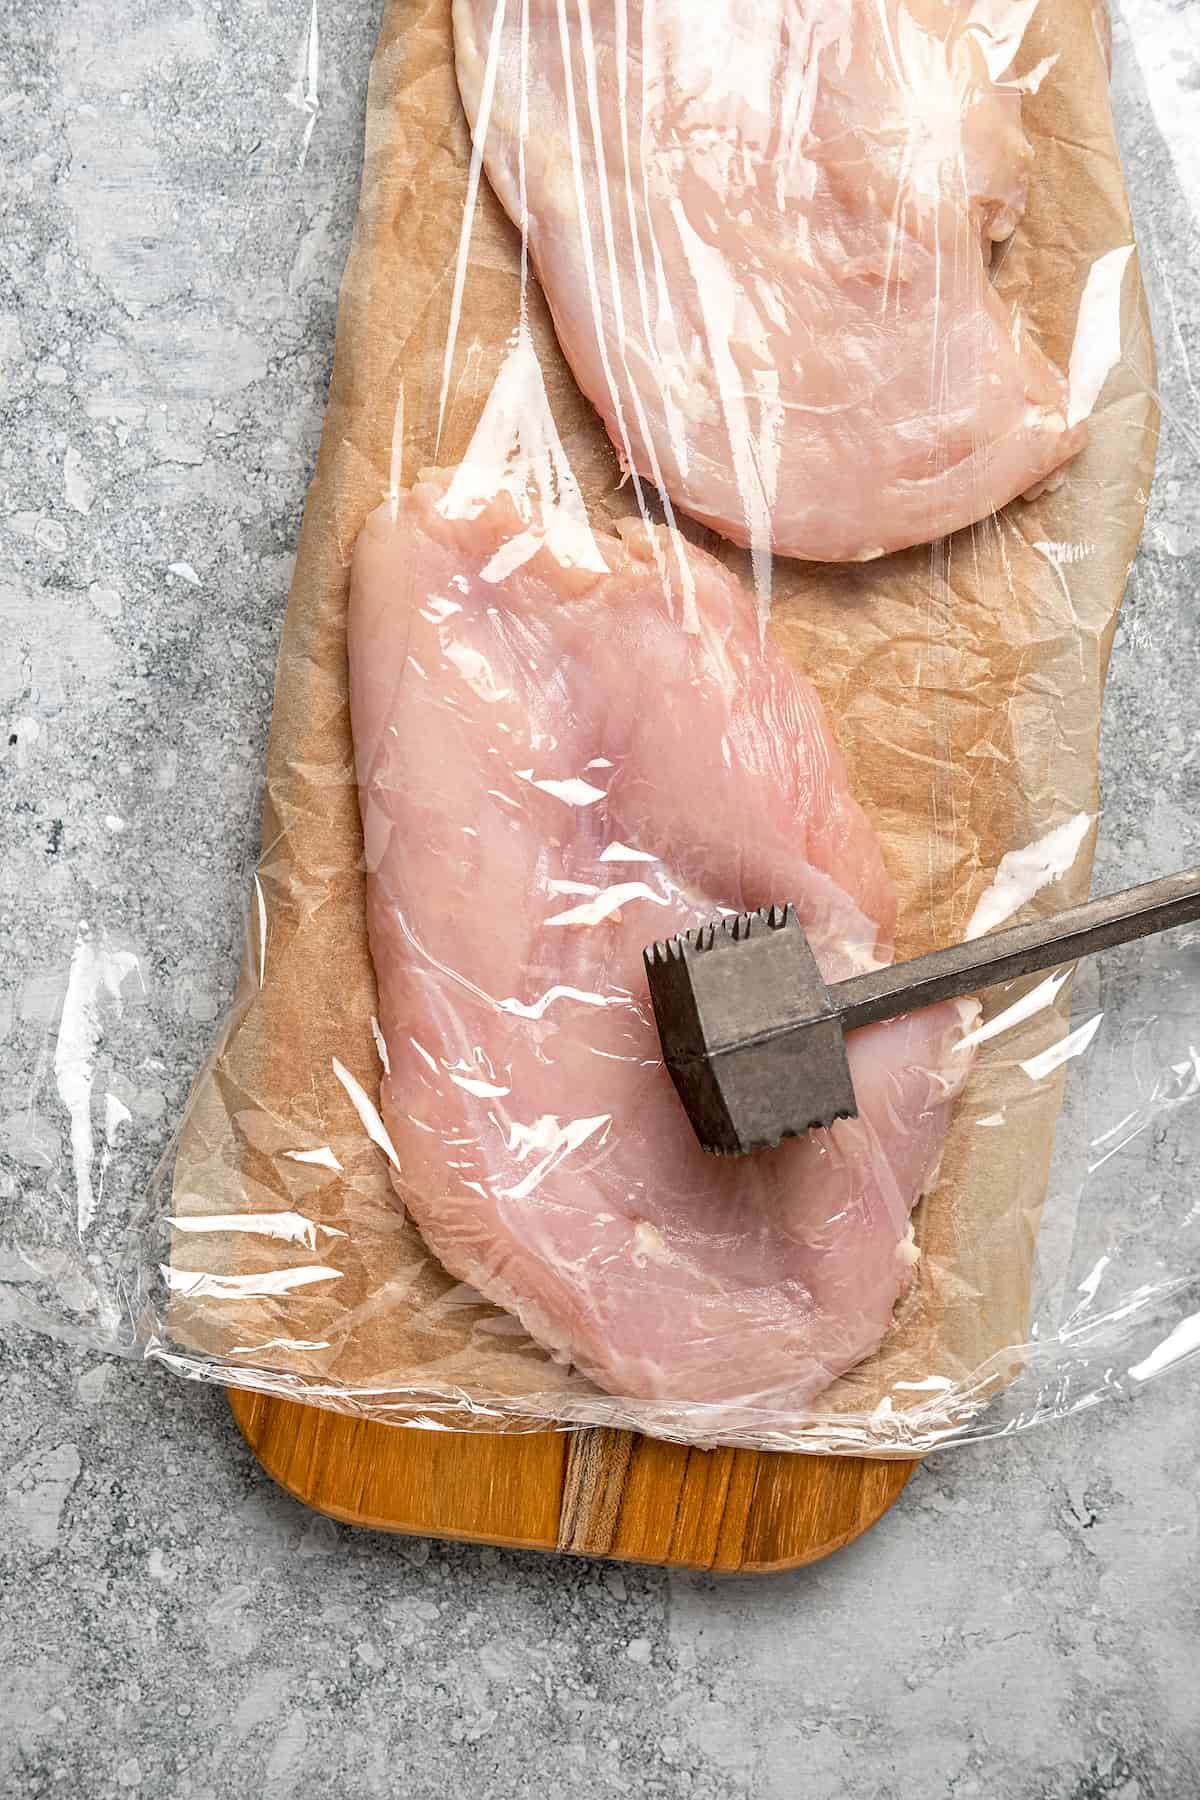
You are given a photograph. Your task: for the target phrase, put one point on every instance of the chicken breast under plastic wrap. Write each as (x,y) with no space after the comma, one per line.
(764,233)
(554,770)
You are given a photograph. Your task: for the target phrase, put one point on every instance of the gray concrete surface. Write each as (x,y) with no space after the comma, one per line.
(178,181)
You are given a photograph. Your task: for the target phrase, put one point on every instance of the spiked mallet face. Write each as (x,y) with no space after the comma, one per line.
(753,1038)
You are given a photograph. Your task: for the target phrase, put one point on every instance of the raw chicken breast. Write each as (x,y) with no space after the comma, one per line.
(554,770)
(764,234)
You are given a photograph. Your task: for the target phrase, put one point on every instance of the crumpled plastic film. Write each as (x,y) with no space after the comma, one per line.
(739,439)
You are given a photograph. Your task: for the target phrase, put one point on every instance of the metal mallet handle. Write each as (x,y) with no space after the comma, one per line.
(1021,950)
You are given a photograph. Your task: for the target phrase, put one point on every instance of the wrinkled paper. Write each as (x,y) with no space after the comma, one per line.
(964,682)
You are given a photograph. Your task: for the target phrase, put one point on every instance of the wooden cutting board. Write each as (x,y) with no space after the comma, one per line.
(592,1492)
(1021,641)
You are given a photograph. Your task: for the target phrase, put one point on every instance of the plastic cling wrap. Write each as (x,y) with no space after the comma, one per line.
(739,439)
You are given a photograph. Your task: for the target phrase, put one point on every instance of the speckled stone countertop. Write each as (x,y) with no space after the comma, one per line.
(179,182)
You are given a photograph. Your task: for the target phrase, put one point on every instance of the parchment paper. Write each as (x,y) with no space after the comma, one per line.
(964,682)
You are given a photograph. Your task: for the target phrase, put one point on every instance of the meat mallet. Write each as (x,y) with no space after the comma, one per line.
(754,1039)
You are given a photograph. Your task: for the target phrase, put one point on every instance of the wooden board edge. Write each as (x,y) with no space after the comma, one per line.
(597,1493)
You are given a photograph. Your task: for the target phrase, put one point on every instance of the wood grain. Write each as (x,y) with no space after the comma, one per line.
(592,1492)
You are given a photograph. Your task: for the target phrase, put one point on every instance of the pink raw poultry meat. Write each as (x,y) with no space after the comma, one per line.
(554,770)
(764,233)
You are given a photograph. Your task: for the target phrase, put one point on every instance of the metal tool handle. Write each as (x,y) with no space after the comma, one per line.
(1004,955)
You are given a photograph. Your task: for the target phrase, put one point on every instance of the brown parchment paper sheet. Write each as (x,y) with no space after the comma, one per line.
(964,682)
